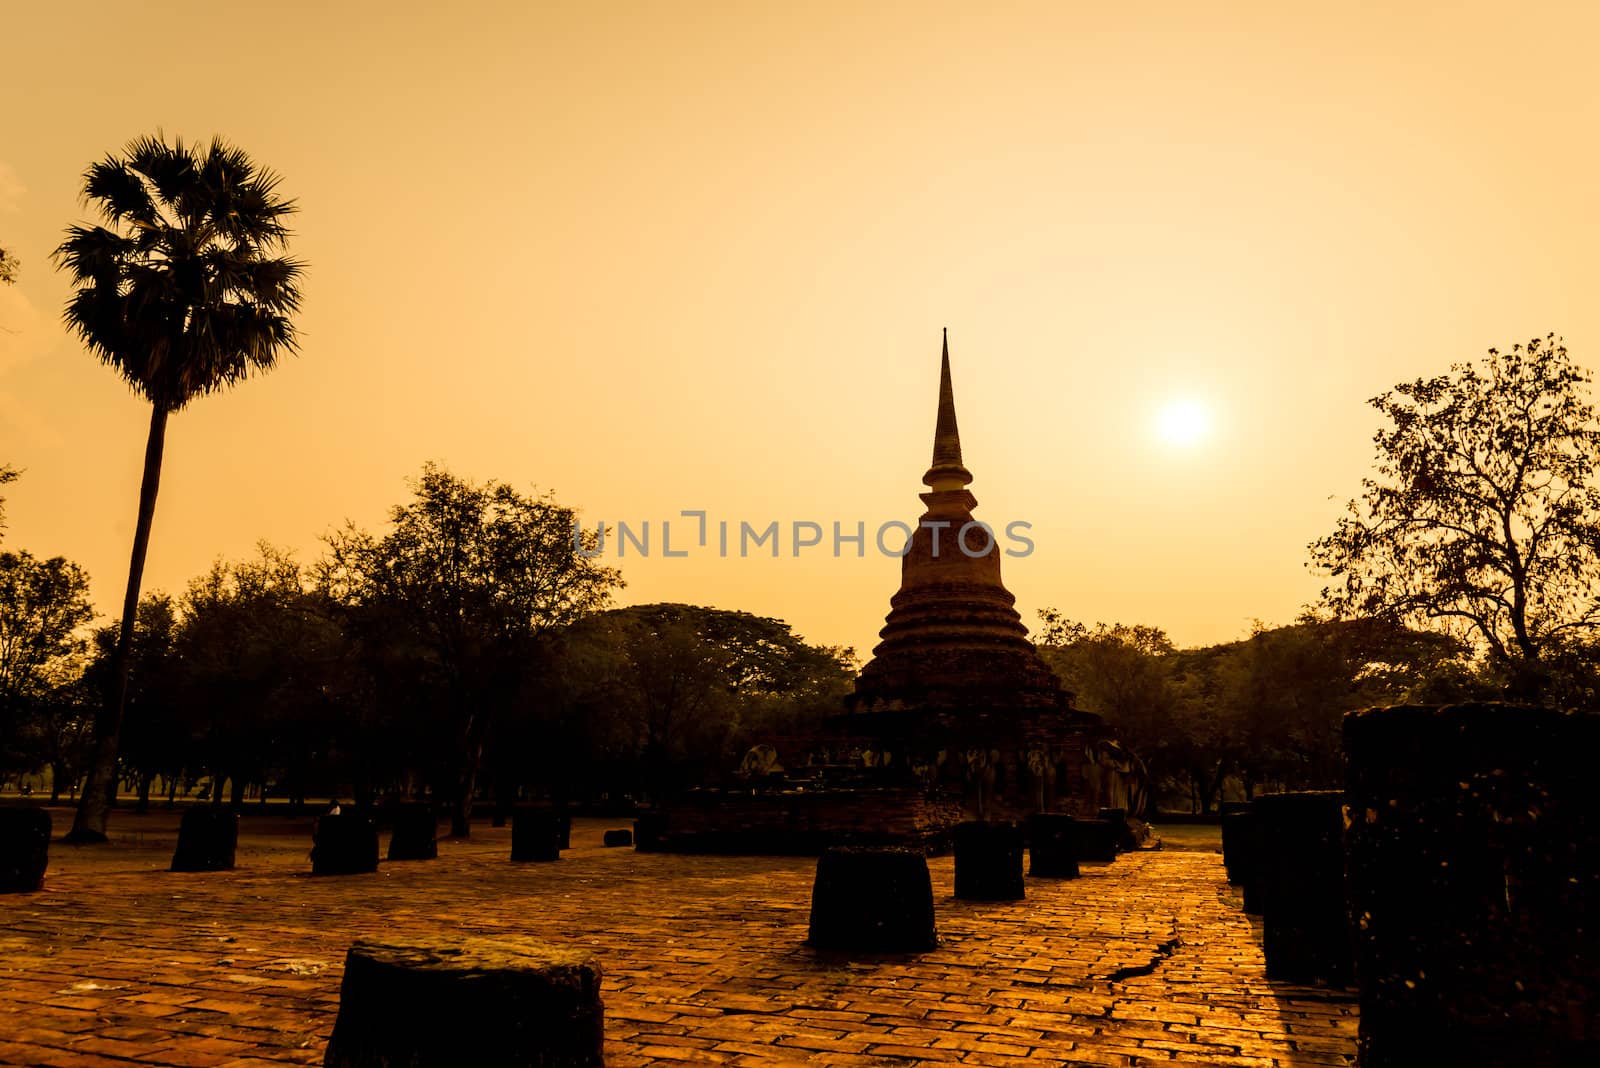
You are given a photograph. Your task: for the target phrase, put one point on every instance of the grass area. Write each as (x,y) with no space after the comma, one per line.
(1193,837)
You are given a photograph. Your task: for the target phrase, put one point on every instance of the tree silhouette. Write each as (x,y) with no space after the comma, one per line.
(183,292)
(474,575)
(7,474)
(1484,516)
(42,605)
(679,691)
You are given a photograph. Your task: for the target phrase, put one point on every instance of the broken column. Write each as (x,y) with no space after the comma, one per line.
(1051,847)
(208,838)
(1095,840)
(24,849)
(873,899)
(1474,876)
(444,1001)
(1300,867)
(989,861)
(346,844)
(416,832)
(536,833)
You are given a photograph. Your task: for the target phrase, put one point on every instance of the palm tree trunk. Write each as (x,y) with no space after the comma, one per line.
(89,825)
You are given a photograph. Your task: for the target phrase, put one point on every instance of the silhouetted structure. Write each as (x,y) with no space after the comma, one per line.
(24,849)
(208,839)
(345,843)
(955,717)
(1052,847)
(952,641)
(1305,925)
(442,1002)
(416,832)
(874,900)
(536,833)
(1473,860)
(989,861)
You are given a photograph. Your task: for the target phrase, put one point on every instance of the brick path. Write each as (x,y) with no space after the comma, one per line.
(119,961)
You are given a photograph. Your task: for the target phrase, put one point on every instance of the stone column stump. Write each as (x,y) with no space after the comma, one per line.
(619,837)
(24,849)
(535,834)
(346,844)
(1051,852)
(1127,841)
(208,838)
(1473,853)
(648,831)
(1300,867)
(873,900)
(1237,844)
(1094,840)
(989,861)
(416,832)
(445,1001)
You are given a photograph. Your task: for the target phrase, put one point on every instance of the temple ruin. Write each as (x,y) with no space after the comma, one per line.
(956,716)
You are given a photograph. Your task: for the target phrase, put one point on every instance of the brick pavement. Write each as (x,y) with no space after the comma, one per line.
(1145,961)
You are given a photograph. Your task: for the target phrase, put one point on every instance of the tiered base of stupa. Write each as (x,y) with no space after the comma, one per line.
(906,777)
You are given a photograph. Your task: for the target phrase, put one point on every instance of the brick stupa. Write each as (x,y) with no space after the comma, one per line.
(952,639)
(955,717)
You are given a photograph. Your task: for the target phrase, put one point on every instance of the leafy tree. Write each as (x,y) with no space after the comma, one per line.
(659,695)
(154,740)
(1291,687)
(265,671)
(1483,517)
(759,656)
(43,603)
(473,575)
(1161,702)
(58,731)
(1265,709)
(7,474)
(183,293)
(673,685)
(8,267)
(1113,669)
(1204,745)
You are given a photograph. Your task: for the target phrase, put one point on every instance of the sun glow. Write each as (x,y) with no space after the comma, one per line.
(1183,423)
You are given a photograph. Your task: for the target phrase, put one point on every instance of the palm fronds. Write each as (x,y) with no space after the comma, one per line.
(183,289)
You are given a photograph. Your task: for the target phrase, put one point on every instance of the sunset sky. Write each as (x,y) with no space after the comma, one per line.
(697,256)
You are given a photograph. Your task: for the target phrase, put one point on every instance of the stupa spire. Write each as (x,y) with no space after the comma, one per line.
(947,472)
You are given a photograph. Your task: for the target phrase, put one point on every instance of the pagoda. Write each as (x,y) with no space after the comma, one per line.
(952,640)
(955,717)
(955,692)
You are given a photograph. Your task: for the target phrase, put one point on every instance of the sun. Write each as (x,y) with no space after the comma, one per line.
(1183,423)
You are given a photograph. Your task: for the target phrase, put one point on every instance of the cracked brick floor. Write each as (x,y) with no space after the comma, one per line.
(118,961)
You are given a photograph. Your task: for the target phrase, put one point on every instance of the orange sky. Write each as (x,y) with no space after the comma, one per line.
(673,256)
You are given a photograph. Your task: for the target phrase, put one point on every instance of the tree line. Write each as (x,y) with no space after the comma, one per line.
(1231,720)
(468,651)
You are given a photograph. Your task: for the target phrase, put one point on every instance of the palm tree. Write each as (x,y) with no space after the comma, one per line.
(183,292)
